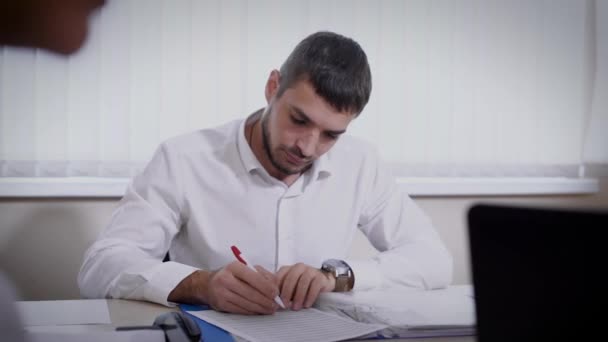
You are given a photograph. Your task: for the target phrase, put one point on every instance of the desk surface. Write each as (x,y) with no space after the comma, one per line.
(128,312)
(132,312)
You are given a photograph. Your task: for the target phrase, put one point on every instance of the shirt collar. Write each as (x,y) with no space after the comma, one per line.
(250,162)
(321,168)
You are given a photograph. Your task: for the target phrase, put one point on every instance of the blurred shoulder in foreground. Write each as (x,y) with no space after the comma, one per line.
(60,26)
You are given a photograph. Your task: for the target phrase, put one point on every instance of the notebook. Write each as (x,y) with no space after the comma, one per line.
(537,272)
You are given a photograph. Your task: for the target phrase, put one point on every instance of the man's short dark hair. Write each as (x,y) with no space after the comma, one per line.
(335,65)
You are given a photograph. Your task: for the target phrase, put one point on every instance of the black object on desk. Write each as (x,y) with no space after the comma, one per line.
(178,327)
(537,272)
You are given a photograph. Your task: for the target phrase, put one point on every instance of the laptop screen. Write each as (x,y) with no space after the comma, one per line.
(536,271)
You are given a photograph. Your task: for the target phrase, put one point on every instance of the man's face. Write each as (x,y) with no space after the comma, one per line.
(299,127)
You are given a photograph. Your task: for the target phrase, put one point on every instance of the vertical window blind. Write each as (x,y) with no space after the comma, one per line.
(460,87)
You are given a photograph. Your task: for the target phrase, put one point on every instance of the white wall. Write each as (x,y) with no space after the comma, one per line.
(42,241)
(454,81)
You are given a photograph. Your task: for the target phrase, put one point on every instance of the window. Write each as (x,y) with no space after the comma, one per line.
(461,88)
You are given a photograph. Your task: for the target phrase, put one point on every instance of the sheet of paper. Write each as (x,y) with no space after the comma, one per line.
(64,312)
(286,326)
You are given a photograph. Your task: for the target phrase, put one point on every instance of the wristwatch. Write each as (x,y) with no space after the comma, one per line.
(345,278)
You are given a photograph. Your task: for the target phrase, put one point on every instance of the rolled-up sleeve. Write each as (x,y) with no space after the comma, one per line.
(126,259)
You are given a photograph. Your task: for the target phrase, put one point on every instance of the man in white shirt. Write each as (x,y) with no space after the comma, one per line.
(284,186)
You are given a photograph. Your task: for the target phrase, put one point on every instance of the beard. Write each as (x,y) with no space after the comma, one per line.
(272,155)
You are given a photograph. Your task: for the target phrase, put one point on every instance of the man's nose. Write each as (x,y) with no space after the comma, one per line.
(307,144)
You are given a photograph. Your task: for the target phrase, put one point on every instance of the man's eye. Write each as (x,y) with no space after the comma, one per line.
(298,121)
(331,136)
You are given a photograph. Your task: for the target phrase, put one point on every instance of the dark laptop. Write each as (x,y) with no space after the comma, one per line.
(538,273)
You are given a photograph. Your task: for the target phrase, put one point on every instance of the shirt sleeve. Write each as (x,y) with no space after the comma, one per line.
(411,251)
(126,259)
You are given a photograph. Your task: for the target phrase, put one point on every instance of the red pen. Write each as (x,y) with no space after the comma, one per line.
(240,257)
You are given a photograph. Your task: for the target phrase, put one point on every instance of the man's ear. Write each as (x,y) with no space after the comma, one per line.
(272,85)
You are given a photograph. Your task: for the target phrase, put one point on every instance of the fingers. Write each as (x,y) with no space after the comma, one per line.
(236,289)
(301,291)
(232,306)
(288,279)
(301,285)
(259,281)
(244,302)
(313,293)
(268,275)
(252,299)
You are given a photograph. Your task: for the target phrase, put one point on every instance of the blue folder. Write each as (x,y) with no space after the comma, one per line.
(209,331)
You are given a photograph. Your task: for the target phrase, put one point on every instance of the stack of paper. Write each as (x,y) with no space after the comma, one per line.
(407,312)
(285,326)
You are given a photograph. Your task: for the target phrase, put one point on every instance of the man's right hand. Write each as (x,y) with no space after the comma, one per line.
(234,288)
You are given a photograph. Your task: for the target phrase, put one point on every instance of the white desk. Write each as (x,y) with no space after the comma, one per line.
(128,313)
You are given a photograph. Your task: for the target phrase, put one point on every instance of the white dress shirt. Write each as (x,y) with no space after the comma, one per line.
(205,191)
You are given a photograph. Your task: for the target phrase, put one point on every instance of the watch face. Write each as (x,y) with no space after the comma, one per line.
(338,267)
(342,272)
(328,268)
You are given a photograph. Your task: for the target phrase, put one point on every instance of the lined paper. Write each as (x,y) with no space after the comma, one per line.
(288,326)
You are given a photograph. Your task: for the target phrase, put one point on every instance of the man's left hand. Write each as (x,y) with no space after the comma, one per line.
(300,285)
